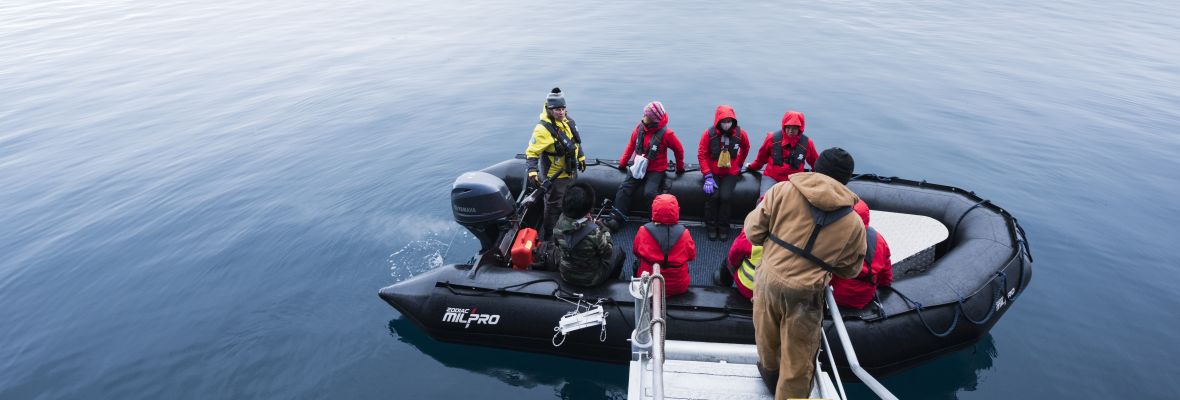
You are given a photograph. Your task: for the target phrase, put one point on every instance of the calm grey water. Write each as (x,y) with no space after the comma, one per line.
(200,199)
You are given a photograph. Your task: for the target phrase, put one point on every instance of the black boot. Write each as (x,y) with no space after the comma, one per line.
(723,277)
(770,378)
(722,233)
(712,232)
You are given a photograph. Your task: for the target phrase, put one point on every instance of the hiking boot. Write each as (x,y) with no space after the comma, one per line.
(712,233)
(722,234)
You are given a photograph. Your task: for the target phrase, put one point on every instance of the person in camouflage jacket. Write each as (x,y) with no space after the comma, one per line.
(586,256)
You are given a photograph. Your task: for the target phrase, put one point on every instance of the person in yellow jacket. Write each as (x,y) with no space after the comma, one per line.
(809,233)
(554,156)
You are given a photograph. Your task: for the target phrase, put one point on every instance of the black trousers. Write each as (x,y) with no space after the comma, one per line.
(717,204)
(651,187)
(617,258)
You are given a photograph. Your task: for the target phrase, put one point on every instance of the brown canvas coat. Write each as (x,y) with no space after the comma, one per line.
(788,299)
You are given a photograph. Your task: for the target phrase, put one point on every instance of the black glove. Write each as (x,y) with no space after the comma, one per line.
(582,165)
(679,171)
(622,168)
(533,179)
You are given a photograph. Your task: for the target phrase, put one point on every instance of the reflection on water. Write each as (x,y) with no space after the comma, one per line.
(941,378)
(571,379)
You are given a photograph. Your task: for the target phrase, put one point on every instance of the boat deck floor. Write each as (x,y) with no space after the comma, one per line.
(689,374)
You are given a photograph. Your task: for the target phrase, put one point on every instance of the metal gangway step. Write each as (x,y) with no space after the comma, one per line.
(672,369)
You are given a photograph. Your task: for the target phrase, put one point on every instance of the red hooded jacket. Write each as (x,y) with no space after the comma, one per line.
(704,156)
(781,172)
(856,293)
(665,210)
(738,252)
(660,163)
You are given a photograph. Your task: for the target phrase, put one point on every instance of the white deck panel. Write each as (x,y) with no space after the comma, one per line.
(694,379)
(907,234)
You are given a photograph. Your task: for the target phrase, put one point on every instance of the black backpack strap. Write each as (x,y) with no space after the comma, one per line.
(657,139)
(870,251)
(776,150)
(561,142)
(822,219)
(574,130)
(805,254)
(572,238)
(799,152)
(825,218)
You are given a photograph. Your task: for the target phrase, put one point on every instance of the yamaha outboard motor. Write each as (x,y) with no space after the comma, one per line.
(482,204)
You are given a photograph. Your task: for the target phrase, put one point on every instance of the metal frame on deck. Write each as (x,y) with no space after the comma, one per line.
(648,345)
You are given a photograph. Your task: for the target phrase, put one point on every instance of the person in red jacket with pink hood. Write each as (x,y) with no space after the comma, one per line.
(722,151)
(784,151)
(650,139)
(876,271)
(667,242)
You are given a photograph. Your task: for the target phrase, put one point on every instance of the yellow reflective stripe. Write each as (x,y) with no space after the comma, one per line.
(747,274)
(748,265)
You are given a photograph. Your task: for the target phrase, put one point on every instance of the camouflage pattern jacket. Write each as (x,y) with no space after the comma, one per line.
(587,262)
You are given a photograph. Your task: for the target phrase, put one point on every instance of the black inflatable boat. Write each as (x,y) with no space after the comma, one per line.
(930,309)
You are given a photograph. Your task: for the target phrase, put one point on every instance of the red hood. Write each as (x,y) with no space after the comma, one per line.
(794,118)
(862,209)
(723,112)
(665,209)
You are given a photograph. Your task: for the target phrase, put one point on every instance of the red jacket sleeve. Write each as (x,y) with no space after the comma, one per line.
(744,150)
(812,156)
(739,251)
(703,153)
(689,251)
(885,275)
(626,157)
(763,154)
(672,142)
(639,245)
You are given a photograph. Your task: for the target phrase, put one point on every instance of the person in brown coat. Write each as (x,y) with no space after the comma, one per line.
(809,232)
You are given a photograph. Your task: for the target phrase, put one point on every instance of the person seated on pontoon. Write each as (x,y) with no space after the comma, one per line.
(586,255)
(721,152)
(877,270)
(645,160)
(666,242)
(784,152)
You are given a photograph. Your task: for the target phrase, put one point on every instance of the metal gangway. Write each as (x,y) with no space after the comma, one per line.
(671,369)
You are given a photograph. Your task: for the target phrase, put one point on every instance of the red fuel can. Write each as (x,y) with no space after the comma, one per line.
(523,247)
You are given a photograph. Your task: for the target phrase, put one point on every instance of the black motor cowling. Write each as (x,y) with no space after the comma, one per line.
(482,204)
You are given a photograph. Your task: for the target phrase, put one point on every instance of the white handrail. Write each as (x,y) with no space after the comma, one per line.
(850,353)
(657,333)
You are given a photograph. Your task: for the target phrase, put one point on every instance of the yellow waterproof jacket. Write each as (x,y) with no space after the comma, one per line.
(542,144)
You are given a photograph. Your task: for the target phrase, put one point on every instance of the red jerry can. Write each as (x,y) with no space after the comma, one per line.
(522,248)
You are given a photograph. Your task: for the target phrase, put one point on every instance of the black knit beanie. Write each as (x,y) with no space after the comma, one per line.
(555,99)
(835,163)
